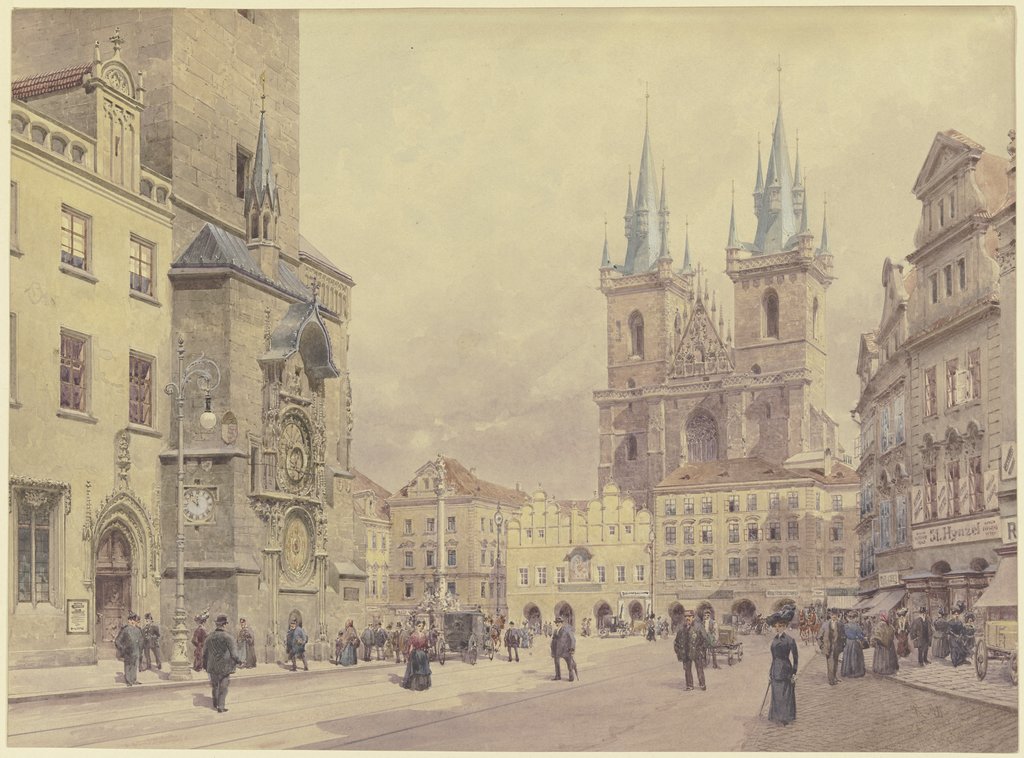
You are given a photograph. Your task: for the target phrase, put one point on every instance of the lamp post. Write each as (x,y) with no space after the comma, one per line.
(650,549)
(499,522)
(207,376)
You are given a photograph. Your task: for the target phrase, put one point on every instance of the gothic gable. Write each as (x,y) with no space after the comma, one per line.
(947,151)
(701,350)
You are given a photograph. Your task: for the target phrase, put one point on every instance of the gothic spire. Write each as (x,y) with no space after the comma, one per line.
(687,267)
(261,190)
(759,187)
(823,248)
(776,220)
(645,238)
(803,219)
(733,244)
(605,260)
(797,179)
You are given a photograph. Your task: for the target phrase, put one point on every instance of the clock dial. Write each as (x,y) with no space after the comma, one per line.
(198,505)
(294,458)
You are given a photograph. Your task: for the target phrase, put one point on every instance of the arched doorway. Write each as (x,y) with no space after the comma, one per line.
(602,611)
(113,588)
(783,603)
(676,613)
(744,608)
(532,615)
(565,611)
(636,610)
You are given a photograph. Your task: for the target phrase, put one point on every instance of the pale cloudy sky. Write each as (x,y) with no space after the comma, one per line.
(460,165)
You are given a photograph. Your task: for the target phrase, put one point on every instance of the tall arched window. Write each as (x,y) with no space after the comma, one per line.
(701,438)
(770,321)
(814,319)
(636,335)
(631,448)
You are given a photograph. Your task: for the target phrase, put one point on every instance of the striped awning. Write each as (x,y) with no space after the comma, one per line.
(885,600)
(841,601)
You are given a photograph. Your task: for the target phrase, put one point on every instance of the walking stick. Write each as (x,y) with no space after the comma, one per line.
(765,700)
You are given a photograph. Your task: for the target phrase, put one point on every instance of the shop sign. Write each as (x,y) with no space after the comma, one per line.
(635,593)
(889,579)
(961,531)
(1009,530)
(781,593)
(817,593)
(77,616)
(1008,460)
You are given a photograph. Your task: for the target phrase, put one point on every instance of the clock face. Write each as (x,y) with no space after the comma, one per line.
(198,505)
(295,463)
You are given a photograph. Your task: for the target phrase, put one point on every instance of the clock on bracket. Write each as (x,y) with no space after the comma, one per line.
(294,453)
(199,504)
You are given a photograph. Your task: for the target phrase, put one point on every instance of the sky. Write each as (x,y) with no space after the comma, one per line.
(460,166)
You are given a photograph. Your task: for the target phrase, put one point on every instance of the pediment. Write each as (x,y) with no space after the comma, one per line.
(701,350)
(943,160)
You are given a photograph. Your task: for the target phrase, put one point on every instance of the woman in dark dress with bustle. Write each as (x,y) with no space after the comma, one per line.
(783,671)
(417,671)
(853,653)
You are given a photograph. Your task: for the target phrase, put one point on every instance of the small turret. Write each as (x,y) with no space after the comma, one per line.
(606,262)
(823,247)
(759,186)
(628,217)
(262,205)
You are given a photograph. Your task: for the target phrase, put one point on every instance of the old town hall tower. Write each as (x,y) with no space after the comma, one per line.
(685,387)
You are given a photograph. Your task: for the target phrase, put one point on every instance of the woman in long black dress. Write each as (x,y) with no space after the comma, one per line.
(783,671)
(417,671)
(853,652)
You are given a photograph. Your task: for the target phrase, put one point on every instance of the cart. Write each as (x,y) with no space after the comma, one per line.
(466,633)
(727,644)
(998,643)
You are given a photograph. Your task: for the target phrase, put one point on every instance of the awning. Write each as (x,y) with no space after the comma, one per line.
(1002,590)
(885,600)
(349,570)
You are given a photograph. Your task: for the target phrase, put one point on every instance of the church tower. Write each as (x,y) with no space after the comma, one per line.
(780,284)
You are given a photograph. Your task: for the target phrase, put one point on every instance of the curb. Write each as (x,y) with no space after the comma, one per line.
(160,685)
(957,696)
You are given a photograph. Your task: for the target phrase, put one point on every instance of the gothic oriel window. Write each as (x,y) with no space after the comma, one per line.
(701,438)
(771,314)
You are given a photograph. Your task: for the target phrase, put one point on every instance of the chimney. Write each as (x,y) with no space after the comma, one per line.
(828,462)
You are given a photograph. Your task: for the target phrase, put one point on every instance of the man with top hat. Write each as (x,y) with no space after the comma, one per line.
(690,645)
(220,658)
(512,641)
(563,645)
(831,641)
(198,638)
(129,648)
(150,643)
(921,634)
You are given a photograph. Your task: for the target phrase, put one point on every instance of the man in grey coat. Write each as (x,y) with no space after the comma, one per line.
(563,645)
(150,643)
(832,640)
(220,658)
(129,648)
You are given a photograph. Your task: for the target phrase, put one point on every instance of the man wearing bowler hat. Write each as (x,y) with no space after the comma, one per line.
(563,645)
(832,640)
(220,657)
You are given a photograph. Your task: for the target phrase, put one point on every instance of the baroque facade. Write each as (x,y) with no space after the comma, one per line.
(268,497)
(90,222)
(579,559)
(747,536)
(934,391)
(444,497)
(372,538)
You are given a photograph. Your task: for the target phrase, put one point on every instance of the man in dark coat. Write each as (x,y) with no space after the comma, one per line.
(220,657)
(831,641)
(921,634)
(512,641)
(711,631)
(380,639)
(129,648)
(690,646)
(563,645)
(296,645)
(150,643)
(367,638)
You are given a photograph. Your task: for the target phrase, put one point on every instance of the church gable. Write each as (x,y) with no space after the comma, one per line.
(701,350)
(948,148)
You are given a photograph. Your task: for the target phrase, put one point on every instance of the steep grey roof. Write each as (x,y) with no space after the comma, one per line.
(214,247)
(302,330)
(643,249)
(776,229)
(262,181)
(307,248)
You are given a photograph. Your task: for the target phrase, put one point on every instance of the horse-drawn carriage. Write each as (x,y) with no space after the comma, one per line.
(613,625)
(997,612)
(466,633)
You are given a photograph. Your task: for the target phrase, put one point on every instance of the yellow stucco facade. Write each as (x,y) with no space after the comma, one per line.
(90,355)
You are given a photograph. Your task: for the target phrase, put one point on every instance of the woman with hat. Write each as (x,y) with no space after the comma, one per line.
(957,637)
(902,632)
(883,638)
(782,675)
(417,671)
(940,642)
(853,652)
(349,643)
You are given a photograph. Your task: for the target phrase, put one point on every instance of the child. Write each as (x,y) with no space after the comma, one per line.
(339,645)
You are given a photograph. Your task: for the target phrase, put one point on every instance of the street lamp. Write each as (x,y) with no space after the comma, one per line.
(650,549)
(207,376)
(499,520)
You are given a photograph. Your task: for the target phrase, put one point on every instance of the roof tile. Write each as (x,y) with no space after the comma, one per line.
(53,81)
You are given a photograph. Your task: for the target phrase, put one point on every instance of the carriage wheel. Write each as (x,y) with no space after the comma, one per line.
(981,659)
(1013,666)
